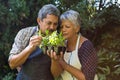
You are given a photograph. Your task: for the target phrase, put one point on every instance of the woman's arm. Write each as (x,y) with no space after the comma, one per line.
(88,58)
(72,70)
(56,68)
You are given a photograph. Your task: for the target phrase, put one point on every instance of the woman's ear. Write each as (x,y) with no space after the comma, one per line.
(77,29)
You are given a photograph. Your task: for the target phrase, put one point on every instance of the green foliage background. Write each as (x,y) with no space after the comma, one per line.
(100,24)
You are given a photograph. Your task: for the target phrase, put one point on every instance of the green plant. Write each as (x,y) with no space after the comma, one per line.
(53,39)
(108,66)
(9,76)
(56,39)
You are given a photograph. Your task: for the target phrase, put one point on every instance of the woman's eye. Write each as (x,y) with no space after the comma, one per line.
(67,26)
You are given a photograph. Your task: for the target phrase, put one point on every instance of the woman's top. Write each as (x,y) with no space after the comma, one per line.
(84,59)
(36,67)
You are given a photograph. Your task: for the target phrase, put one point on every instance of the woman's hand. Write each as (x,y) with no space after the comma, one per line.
(53,55)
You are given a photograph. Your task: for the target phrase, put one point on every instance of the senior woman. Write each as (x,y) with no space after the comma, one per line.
(80,59)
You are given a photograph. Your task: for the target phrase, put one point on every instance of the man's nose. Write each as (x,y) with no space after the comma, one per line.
(52,27)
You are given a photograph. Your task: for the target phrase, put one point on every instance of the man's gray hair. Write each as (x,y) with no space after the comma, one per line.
(72,16)
(48,9)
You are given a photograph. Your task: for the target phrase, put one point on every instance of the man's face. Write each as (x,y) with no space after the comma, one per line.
(49,23)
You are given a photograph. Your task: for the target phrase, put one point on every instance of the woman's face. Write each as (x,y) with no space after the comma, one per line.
(68,29)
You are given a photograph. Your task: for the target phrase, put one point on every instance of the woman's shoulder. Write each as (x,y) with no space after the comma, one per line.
(86,48)
(85,43)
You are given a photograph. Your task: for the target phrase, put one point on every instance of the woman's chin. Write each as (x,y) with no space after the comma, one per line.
(66,38)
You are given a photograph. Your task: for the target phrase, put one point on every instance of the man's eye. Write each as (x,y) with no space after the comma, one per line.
(48,23)
(61,27)
(55,24)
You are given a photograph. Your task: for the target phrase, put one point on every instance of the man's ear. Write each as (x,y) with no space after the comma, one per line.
(38,21)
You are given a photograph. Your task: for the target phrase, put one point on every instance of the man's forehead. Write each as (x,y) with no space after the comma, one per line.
(51,18)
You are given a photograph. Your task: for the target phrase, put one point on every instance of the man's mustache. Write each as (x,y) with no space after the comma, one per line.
(50,31)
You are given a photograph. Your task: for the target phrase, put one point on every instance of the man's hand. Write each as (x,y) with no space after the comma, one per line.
(35,41)
(18,68)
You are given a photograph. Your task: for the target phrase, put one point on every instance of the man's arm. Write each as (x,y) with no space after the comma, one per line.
(18,59)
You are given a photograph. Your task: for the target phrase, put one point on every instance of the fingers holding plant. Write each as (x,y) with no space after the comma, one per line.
(53,55)
(35,41)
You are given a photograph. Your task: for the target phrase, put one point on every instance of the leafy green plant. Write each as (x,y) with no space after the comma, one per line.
(108,66)
(9,76)
(56,39)
(53,41)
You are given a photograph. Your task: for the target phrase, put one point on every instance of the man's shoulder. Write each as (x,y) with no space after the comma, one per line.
(26,32)
(28,28)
